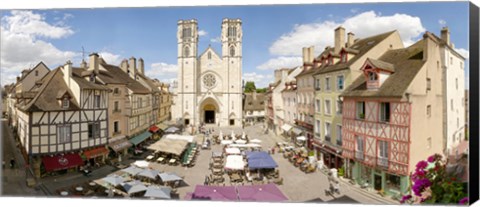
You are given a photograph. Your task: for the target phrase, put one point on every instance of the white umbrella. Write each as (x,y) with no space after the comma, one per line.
(132,170)
(134,186)
(239,141)
(256,141)
(233,135)
(141,163)
(152,174)
(301,138)
(167,177)
(113,180)
(158,192)
(226,142)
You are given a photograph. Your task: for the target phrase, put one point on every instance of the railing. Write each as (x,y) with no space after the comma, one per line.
(382,161)
(359,155)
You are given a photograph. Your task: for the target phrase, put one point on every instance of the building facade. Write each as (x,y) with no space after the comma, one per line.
(209,86)
(289,95)
(254,108)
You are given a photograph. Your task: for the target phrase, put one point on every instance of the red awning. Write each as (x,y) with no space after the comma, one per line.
(59,162)
(97,152)
(154,129)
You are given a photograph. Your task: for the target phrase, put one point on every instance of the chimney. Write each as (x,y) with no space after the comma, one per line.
(445,34)
(93,63)
(18,78)
(83,64)
(124,65)
(339,39)
(67,72)
(141,65)
(350,39)
(132,67)
(308,56)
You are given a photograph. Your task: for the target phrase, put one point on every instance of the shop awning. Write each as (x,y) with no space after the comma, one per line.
(140,138)
(60,162)
(154,129)
(162,126)
(286,127)
(120,144)
(97,152)
(297,131)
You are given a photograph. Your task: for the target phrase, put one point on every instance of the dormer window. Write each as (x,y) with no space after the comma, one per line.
(372,76)
(65,103)
(92,77)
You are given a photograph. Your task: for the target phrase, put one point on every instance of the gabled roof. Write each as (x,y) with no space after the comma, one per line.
(31,70)
(83,83)
(381,64)
(115,75)
(149,82)
(407,62)
(209,48)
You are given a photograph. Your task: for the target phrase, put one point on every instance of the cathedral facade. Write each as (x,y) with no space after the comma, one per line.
(209,86)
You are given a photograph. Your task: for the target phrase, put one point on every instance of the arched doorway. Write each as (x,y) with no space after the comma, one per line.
(209,114)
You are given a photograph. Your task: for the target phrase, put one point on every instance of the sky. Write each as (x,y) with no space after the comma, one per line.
(273,36)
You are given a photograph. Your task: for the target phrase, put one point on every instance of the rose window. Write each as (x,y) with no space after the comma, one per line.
(209,80)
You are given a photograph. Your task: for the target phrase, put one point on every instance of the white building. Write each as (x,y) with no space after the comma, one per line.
(209,86)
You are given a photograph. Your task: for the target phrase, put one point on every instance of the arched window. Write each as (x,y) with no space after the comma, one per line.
(232,51)
(209,55)
(186,52)
(232,32)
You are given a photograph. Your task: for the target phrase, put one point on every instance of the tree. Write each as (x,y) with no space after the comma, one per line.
(250,87)
(261,90)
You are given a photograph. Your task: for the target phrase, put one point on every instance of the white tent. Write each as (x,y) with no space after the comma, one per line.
(231,151)
(234,162)
(226,142)
(257,141)
(240,141)
(233,135)
(180,137)
(244,145)
(141,163)
(301,138)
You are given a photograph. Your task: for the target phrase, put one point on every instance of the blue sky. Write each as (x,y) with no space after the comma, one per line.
(272,35)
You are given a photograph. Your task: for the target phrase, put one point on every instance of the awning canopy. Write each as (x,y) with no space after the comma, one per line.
(286,127)
(140,138)
(149,173)
(134,186)
(234,162)
(97,152)
(296,131)
(265,193)
(172,129)
(260,160)
(153,129)
(158,192)
(120,144)
(245,145)
(60,162)
(214,193)
(162,126)
(169,177)
(169,146)
(179,137)
(132,170)
(231,151)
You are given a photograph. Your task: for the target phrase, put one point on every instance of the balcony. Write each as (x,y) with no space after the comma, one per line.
(382,162)
(359,155)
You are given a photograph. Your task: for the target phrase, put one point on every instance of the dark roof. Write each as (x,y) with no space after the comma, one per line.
(150,83)
(115,75)
(46,98)
(362,46)
(252,104)
(407,63)
(83,83)
(381,64)
(30,71)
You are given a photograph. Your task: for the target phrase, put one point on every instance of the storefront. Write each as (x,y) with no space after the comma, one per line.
(156,132)
(380,180)
(119,146)
(286,128)
(60,164)
(95,156)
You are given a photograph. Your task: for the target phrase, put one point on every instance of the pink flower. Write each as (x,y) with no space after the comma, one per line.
(431,158)
(422,164)
(463,201)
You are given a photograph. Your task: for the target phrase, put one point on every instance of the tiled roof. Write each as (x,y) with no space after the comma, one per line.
(257,104)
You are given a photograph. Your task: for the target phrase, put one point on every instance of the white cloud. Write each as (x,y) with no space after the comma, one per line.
(465,53)
(202,33)
(260,80)
(216,39)
(442,22)
(162,71)
(364,24)
(110,58)
(354,10)
(281,62)
(24,44)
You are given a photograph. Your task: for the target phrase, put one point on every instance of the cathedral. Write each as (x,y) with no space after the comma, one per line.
(209,86)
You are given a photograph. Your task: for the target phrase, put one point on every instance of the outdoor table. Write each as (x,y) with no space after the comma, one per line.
(216,165)
(172,161)
(160,159)
(92,184)
(236,177)
(216,170)
(149,157)
(64,193)
(79,189)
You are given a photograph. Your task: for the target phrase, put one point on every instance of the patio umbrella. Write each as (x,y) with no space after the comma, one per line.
(132,170)
(256,141)
(141,163)
(149,173)
(113,180)
(167,177)
(134,186)
(226,142)
(158,192)
(172,129)
(240,141)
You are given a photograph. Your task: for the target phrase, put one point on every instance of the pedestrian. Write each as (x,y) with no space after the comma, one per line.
(12,163)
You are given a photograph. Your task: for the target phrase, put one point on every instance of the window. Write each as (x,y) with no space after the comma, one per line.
(92,77)
(232,51)
(232,32)
(438,65)
(339,107)
(429,143)
(429,84)
(451,60)
(456,83)
(361,110)
(187,32)
(339,135)
(64,134)
(115,127)
(359,147)
(327,132)
(461,65)
(140,102)
(317,127)
(372,76)
(392,182)
(317,84)
(97,101)
(344,57)
(451,104)
(147,102)
(458,122)
(327,107)
(385,112)
(317,104)
(65,103)
(93,130)
(232,122)
(36,73)
(209,55)
(327,84)
(340,82)
(382,153)
(186,52)
(187,121)
(429,110)
(116,91)
(115,106)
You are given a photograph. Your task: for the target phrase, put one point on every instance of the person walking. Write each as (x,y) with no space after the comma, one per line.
(12,163)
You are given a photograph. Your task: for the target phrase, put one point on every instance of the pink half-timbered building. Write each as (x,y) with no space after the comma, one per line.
(392,116)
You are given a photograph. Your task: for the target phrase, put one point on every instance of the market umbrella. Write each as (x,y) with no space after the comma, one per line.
(141,163)
(158,192)
(256,141)
(167,177)
(113,180)
(172,129)
(134,186)
(132,170)
(226,142)
(240,141)
(149,173)
(267,192)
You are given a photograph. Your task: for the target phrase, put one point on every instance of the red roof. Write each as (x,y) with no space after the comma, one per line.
(95,152)
(60,162)
(154,129)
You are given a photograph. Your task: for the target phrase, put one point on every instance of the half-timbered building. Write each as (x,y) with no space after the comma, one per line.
(392,116)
